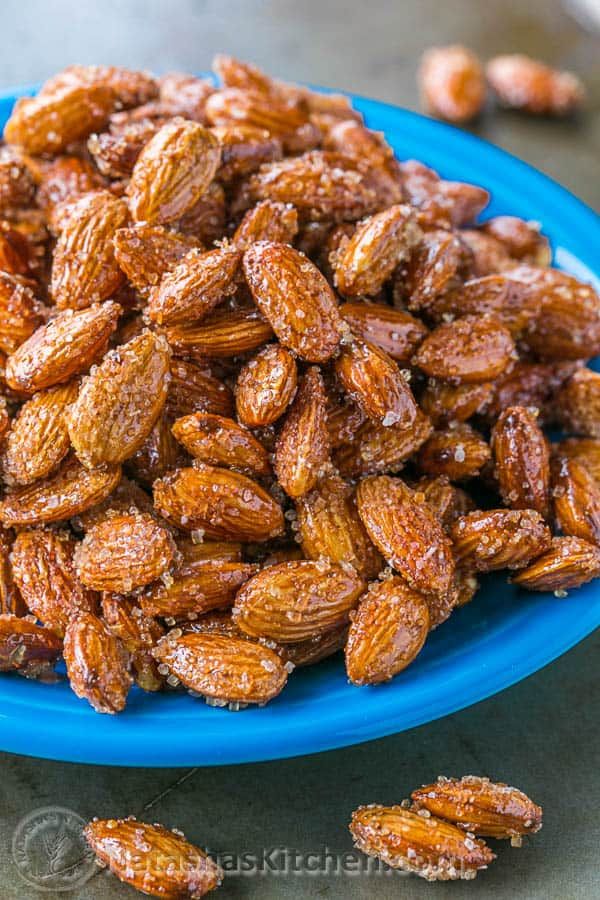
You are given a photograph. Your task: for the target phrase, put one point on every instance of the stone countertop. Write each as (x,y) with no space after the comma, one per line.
(542,734)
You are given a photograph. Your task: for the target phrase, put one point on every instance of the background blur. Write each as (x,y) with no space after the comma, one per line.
(541,734)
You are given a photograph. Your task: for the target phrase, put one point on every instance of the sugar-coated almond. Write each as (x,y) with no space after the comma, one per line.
(374,382)
(265,386)
(302,448)
(522,460)
(567,564)
(97,664)
(499,539)
(576,499)
(219,441)
(472,349)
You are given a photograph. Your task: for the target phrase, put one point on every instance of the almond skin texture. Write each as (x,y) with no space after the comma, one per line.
(224,668)
(222,334)
(20,312)
(576,500)
(221,442)
(138,634)
(84,268)
(569,563)
(302,449)
(123,553)
(38,439)
(223,503)
(119,402)
(458,452)
(480,806)
(499,539)
(381,449)
(392,330)
(67,493)
(569,318)
(152,859)
(267,221)
(172,172)
(374,382)
(244,148)
(192,389)
(66,346)
(445,402)
(406,532)
(522,240)
(292,601)
(522,460)
(25,645)
(147,252)
(285,283)
(512,301)
(97,664)
(196,285)
(366,261)
(428,847)
(329,527)
(433,268)
(265,386)
(585,450)
(471,350)
(578,404)
(287,121)
(387,632)
(42,564)
(452,83)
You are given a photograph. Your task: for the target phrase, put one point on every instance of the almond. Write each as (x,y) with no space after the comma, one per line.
(585,450)
(97,664)
(445,402)
(292,601)
(219,441)
(128,496)
(522,460)
(425,846)
(124,552)
(472,349)
(66,346)
(578,404)
(147,252)
(295,298)
(223,503)
(374,382)
(302,448)
(404,529)
(569,317)
(172,172)
(139,634)
(377,448)
(152,859)
(387,632)
(20,312)
(119,401)
(131,88)
(267,221)
(244,148)
(221,334)
(524,83)
(159,453)
(568,563)
(499,539)
(10,597)
(576,500)
(224,668)
(458,452)
(193,389)
(394,331)
(512,301)
(66,178)
(24,646)
(448,501)
(522,240)
(452,83)
(265,386)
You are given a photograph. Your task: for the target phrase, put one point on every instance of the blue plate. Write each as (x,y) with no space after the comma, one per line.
(500,638)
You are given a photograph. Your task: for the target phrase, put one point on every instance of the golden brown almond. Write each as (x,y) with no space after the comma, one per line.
(522,460)
(115,155)
(392,330)
(405,530)
(24,646)
(445,402)
(128,497)
(84,268)
(159,454)
(452,83)
(10,598)
(193,389)
(119,401)
(302,448)
(172,172)
(185,94)
(147,252)
(585,450)
(42,565)
(66,178)
(48,123)
(350,136)
(223,333)
(233,72)
(448,501)
(17,185)
(293,601)
(267,221)
(487,255)
(480,806)
(514,302)
(499,539)
(193,550)
(365,261)
(131,88)
(374,382)
(441,204)
(139,634)
(578,404)
(124,552)
(219,441)
(97,664)
(472,349)
(322,185)
(343,421)
(207,218)
(20,312)
(522,240)
(576,499)
(524,83)
(380,449)
(244,148)
(265,386)
(224,504)
(568,324)
(387,632)
(152,859)
(16,254)
(38,438)
(458,452)
(224,668)
(195,286)
(529,384)
(296,299)
(329,527)
(569,563)
(426,846)
(66,346)
(64,494)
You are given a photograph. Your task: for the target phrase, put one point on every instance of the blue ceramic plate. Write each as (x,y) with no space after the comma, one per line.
(500,638)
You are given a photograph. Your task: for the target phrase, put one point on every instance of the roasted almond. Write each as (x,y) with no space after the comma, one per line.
(147,252)
(302,448)
(159,454)
(139,634)
(97,664)
(219,441)
(374,382)
(524,83)
(24,646)
(578,404)
(244,148)
(287,121)
(131,88)
(193,389)
(265,386)
(472,349)
(522,460)
(568,563)
(267,221)
(66,178)
(392,330)
(448,501)
(20,311)
(522,240)
(377,448)
(224,504)
(127,497)
(585,450)
(499,539)
(405,530)
(223,333)
(576,499)
(293,601)
(433,267)
(458,452)
(445,402)
(480,806)
(568,324)
(514,302)
(452,83)
(387,632)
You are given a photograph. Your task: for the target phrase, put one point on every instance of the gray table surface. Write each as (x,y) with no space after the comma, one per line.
(541,734)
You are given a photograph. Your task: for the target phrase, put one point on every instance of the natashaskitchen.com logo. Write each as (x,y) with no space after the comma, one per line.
(287,861)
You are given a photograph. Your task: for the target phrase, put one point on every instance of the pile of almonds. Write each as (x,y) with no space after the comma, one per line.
(230,318)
